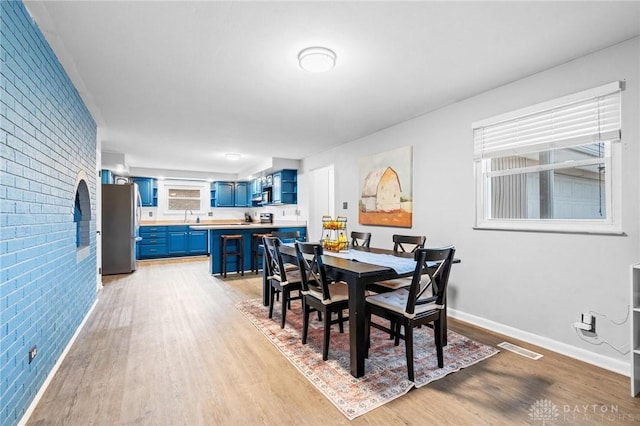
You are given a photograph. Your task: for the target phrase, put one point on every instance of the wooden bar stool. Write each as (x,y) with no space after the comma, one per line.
(235,250)
(257,251)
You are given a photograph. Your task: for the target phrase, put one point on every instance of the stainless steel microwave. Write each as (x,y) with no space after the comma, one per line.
(266,197)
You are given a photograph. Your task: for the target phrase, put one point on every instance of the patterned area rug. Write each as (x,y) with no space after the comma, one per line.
(386,369)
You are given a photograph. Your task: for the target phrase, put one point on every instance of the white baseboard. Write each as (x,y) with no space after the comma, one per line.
(27,414)
(615,365)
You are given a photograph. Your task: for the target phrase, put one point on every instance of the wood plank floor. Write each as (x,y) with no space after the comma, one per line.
(166,346)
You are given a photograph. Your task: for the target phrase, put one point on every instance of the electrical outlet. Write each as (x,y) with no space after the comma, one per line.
(345,205)
(32,353)
(150,214)
(589,320)
(210,214)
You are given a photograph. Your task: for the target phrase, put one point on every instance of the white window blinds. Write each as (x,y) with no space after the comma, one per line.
(587,117)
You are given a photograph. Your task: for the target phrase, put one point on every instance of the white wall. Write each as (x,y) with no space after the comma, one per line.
(532,284)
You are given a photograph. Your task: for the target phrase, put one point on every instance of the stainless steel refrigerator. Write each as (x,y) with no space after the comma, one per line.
(121,210)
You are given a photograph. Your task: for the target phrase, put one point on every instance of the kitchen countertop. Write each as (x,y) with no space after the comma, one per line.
(223,224)
(244,225)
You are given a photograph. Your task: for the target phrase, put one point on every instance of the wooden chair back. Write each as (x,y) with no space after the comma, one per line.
(274,264)
(312,270)
(437,264)
(362,239)
(417,241)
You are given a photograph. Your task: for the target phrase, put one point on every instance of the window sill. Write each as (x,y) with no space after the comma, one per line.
(555,230)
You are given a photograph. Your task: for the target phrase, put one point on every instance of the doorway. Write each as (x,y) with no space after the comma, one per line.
(321,203)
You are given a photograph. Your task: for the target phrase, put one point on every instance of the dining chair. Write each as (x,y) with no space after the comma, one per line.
(398,241)
(360,239)
(281,279)
(417,241)
(319,293)
(412,307)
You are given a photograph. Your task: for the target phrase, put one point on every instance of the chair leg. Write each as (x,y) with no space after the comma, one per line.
(439,339)
(396,333)
(305,323)
(340,321)
(285,301)
(272,292)
(408,340)
(327,330)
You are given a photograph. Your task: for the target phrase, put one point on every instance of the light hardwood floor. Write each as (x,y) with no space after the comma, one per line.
(166,346)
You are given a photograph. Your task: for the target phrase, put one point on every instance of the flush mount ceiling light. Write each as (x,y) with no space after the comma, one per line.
(231,156)
(317,59)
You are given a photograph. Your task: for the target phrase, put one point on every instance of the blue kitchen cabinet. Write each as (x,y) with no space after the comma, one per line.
(225,194)
(215,245)
(285,187)
(182,241)
(106,177)
(171,241)
(231,194)
(153,243)
(177,240)
(243,194)
(197,243)
(148,191)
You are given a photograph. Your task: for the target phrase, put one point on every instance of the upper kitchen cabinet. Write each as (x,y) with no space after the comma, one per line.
(230,194)
(285,187)
(243,194)
(106,177)
(148,188)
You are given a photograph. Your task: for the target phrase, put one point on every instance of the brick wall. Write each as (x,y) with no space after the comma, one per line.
(47,140)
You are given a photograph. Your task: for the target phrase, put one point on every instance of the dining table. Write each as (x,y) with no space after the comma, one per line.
(359,267)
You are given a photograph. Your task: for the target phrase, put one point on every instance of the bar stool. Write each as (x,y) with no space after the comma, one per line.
(233,250)
(257,251)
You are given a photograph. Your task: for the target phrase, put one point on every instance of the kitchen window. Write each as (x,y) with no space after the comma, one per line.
(183,199)
(553,166)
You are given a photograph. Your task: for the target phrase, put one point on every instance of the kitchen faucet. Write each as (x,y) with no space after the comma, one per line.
(185,214)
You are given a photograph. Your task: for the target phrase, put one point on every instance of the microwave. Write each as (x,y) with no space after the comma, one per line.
(266,197)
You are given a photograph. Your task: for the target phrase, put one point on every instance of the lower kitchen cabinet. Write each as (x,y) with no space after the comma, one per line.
(171,241)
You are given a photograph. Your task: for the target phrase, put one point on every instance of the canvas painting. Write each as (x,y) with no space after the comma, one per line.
(385,188)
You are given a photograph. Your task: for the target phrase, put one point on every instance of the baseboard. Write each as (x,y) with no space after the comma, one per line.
(615,365)
(27,414)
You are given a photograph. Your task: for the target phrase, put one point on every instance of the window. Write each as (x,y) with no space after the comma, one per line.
(183,199)
(553,166)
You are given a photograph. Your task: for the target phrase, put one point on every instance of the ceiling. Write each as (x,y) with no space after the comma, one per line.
(175,85)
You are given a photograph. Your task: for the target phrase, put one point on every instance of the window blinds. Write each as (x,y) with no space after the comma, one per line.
(582,118)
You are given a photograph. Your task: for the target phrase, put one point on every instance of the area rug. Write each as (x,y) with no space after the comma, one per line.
(386,369)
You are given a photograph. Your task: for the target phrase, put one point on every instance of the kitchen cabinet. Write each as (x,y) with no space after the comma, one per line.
(106,177)
(148,188)
(285,187)
(182,241)
(243,195)
(153,243)
(230,194)
(215,245)
(171,241)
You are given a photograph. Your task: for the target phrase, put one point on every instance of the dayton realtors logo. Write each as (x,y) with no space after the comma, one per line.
(545,411)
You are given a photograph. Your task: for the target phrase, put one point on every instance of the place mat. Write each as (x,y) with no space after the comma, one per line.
(386,370)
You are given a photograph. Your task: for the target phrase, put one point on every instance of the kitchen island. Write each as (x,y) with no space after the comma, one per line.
(246,229)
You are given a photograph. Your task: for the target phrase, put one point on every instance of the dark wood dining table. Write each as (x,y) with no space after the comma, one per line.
(358,275)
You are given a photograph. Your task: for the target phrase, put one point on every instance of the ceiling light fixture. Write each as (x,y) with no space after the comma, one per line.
(317,59)
(231,156)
